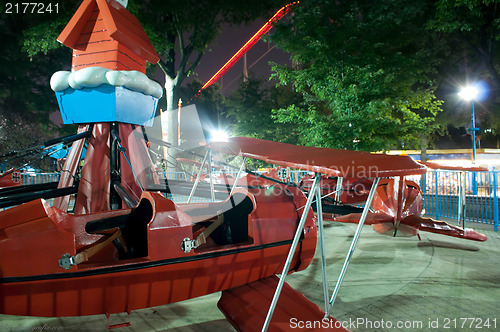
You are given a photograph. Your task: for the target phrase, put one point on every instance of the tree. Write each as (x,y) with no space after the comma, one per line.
(249,111)
(210,104)
(182,30)
(471,31)
(26,100)
(179,30)
(366,71)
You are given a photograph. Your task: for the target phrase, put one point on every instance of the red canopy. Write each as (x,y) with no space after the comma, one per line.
(442,165)
(331,162)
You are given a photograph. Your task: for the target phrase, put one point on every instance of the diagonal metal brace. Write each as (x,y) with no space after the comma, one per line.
(353,245)
(288,261)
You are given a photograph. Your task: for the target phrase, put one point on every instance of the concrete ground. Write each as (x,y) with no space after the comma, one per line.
(392,284)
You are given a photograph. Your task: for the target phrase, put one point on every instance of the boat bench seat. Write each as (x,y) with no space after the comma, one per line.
(235,211)
(133,227)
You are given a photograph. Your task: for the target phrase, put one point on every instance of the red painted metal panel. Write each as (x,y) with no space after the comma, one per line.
(353,190)
(86,41)
(109,54)
(93,191)
(246,307)
(442,227)
(397,210)
(96,34)
(443,165)
(125,28)
(131,290)
(28,246)
(45,289)
(11,178)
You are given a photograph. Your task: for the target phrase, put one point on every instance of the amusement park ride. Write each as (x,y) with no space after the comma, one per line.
(113,241)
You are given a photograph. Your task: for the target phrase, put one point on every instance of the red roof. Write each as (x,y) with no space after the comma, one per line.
(121,25)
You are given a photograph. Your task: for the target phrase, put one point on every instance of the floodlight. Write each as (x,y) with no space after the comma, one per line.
(218,135)
(469,93)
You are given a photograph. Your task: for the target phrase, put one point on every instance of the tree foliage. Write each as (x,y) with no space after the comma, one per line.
(179,30)
(26,100)
(182,30)
(249,111)
(471,31)
(365,70)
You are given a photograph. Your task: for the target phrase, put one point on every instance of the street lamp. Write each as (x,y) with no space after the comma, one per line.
(470,93)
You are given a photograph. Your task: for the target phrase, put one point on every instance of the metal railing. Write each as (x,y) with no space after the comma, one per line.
(444,193)
(37,178)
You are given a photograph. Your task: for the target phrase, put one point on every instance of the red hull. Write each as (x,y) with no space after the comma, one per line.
(116,292)
(33,237)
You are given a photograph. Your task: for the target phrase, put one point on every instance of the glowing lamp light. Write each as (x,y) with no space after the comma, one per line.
(469,93)
(219,135)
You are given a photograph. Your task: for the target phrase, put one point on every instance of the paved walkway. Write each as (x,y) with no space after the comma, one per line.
(391,282)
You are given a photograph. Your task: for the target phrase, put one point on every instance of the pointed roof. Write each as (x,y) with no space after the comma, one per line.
(120,23)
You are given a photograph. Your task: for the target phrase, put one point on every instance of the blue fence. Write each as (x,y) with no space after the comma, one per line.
(36,178)
(445,192)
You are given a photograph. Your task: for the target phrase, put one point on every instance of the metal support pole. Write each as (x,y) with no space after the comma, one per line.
(179,122)
(198,176)
(461,199)
(122,150)
(238,175)
(423,183)
(338,189)
(436,194)
(474,183)
(495,199)
(210,175)
(289,258)
(353,245)
(321,236)
(473,118)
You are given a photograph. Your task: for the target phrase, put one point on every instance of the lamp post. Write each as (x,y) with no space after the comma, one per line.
(470,93)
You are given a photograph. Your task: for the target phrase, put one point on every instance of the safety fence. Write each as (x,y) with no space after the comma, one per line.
(468,196)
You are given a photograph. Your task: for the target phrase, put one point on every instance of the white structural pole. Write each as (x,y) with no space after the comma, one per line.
(198,176)
(353,245)
(321,236)
(288,261)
